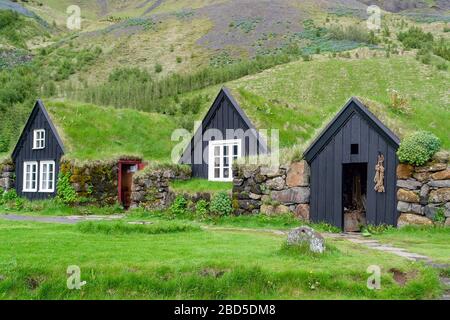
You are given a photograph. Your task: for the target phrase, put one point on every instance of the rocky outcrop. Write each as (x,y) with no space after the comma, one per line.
(272,190)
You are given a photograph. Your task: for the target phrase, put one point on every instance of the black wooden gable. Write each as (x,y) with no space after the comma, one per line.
(38,109)
(225,113)
(353,106)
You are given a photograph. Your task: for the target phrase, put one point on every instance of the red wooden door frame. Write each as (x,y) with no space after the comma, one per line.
(121,163)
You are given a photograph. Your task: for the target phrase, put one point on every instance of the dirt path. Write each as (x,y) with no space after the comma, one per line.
(64,220)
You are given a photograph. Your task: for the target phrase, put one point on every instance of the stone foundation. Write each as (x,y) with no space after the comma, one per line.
(7,175)
(424,191)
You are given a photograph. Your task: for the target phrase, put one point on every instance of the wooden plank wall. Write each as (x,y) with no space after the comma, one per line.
(326,174)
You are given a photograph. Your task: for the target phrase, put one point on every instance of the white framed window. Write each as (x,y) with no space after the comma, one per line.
(222,154)
(30,172)
(39,139)
(47,176)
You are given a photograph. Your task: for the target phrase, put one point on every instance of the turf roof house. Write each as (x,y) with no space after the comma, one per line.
(37,158)
(343,159)
(225,135)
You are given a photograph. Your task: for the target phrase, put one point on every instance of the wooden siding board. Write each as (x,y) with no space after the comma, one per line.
(346,143)
(338,181)
(314,192)
(330,165)
(321,188)
(371,207)
(364,138)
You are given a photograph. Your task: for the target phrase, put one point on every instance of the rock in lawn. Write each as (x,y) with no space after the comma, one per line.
(307,236)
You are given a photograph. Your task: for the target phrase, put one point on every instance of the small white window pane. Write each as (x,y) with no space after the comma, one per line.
(217,151)
(226,173)
(217,173)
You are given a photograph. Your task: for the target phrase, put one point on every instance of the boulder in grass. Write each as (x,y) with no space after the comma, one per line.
(306,236)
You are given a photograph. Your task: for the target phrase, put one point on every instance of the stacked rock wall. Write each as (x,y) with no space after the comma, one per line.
(150,189)
(424,192)
(271,190)
(7,175)
(96,180)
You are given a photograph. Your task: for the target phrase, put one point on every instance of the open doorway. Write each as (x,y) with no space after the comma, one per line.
(126,171)
(354,196)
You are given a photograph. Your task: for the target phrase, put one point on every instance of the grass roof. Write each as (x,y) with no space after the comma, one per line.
(90,132)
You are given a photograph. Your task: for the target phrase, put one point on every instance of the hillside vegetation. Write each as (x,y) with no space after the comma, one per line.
(291,64)
(301,97)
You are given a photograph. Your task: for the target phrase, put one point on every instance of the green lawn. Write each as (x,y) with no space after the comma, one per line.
(200,185)
(194,264)
(431,242)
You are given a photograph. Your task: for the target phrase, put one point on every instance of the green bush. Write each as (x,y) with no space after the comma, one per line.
(418,148)
(415,38)
(66,193)
(8,196)
(440,217)
(179,206)
(158,68)
(221,204)
(201,209)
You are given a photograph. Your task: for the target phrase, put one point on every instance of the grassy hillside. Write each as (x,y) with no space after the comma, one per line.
(95,133)
(301,97)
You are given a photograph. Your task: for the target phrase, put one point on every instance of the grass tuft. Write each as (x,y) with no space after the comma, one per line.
(126,228)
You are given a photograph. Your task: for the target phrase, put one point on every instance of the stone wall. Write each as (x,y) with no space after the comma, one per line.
(96,180)
(272,191)
(7,175)
(424,191)
(150,189)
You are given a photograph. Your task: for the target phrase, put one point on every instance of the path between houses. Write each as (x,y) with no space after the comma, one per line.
(62,219)
(352,237)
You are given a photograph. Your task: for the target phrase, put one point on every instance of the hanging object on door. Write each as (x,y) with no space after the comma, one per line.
(379,175)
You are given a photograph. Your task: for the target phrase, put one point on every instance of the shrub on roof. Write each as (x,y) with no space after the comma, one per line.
(418,148)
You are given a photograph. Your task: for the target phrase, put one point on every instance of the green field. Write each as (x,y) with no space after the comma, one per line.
(193,264)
